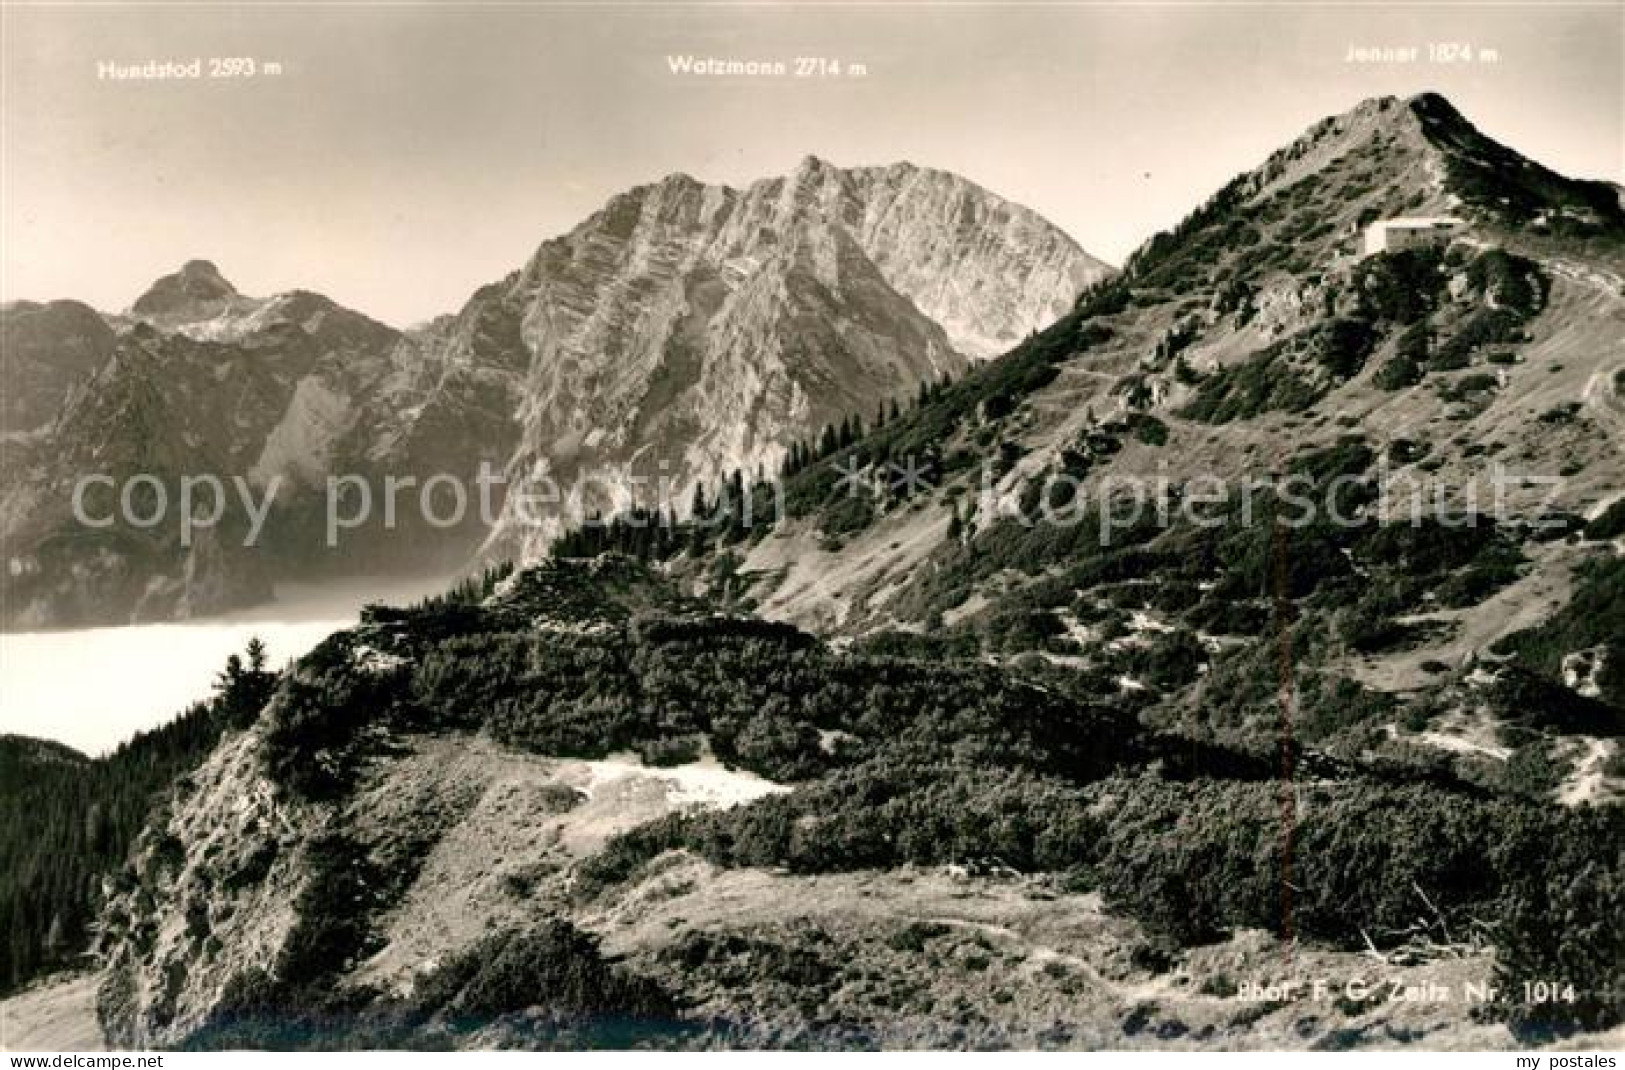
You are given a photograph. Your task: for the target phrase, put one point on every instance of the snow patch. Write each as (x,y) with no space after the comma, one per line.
(706,782)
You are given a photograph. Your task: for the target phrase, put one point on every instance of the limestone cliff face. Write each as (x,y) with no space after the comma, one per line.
(989,271)
(197,291)
(686,331)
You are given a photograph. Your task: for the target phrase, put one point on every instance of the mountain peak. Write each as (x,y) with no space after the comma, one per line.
(197,283)
(1423,156)
(815,173)
(202,275)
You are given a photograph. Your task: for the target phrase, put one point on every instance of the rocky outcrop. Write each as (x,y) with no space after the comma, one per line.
(227,859)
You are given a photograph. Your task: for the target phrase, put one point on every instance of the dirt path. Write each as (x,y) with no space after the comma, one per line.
(1605,403)
(59,1015)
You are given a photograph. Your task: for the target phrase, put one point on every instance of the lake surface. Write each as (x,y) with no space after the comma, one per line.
(93,689)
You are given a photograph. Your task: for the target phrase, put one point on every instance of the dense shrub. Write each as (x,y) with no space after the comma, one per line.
(762,695)
(317,715)
(1482,328)
(1593,618)
(1342,345)
(1150,430)
(885,813)
(1263,383)
(1559,923)
(1401,287)
(343,887)
(555,968)
(1531,701)
(1398,373)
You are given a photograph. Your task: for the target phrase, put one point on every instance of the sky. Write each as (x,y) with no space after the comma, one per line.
(401,155)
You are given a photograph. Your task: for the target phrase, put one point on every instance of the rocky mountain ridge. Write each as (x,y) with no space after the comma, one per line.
(1209,356)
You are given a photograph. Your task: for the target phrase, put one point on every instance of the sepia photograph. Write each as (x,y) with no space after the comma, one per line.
(823,526)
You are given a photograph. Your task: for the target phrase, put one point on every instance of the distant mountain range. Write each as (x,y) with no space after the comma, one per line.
(701,327)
